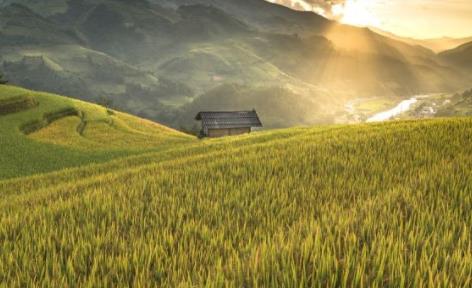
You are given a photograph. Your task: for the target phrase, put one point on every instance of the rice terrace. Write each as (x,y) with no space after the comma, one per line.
(199,143)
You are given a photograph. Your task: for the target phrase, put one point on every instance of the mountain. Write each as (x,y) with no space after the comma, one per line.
(437,45)
(442,44)
(157,59)
(459,57)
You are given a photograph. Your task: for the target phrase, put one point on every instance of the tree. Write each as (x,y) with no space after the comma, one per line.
(467,94)
(2,79)
(104,101)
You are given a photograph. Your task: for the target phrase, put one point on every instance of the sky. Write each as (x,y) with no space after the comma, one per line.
(411,18)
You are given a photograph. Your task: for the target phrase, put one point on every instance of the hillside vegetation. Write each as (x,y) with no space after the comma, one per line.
(160,59)
(385,205)
(43,132)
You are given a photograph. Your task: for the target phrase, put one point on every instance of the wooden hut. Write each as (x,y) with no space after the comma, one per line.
(228,123)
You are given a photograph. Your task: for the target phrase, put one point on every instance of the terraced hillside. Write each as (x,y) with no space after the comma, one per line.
(369,205)
(43,132)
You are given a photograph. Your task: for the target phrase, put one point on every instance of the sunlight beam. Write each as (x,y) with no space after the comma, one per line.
(355,12)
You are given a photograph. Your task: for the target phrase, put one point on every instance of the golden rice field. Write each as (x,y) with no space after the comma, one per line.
(62,133)
(383,205)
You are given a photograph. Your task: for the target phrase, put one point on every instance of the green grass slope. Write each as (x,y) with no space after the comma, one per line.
(384,205)
(42,132)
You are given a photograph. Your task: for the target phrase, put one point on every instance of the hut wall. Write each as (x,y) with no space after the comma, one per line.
(227,132)
(218,132)
(239,131)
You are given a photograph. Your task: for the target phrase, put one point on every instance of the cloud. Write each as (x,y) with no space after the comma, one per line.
(327,8)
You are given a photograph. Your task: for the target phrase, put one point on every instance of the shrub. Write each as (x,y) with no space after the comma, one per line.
(2,79)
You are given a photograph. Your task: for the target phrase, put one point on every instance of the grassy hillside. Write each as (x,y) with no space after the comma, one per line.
(368,205)
(43,132)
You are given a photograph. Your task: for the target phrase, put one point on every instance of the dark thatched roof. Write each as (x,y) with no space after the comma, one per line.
(229,119)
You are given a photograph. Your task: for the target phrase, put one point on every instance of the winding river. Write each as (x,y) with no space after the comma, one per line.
(403,107)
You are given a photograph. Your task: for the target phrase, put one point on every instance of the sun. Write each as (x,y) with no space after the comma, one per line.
(355,12)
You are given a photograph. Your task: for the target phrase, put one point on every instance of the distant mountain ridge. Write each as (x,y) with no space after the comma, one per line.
(460,57)
(156,59)
(435,44)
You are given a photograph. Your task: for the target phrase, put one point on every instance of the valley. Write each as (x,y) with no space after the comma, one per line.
(355,169)
(226,53)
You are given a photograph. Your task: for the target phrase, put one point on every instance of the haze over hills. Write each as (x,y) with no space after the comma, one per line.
(166,59)
(435,44)
(460,57)
(440,44)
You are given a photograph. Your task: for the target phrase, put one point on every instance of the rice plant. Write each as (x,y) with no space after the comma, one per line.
(384,205)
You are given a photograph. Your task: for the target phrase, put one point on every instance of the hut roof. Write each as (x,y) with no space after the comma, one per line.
(229,119)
